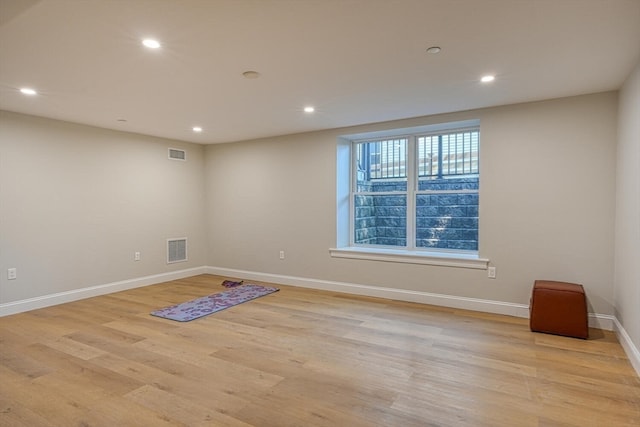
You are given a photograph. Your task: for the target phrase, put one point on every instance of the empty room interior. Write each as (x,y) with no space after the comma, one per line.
(398,174)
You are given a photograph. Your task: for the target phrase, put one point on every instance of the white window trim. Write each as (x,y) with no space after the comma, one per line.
(445,259)
(345,247)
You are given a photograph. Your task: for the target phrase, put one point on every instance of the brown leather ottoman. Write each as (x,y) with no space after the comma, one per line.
(559,308)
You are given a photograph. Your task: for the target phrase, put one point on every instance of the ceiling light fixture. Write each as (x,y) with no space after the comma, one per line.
(28,91)
(197,129)
(251,74)
(151,43)
(488,78)
(309,109)
(434,49)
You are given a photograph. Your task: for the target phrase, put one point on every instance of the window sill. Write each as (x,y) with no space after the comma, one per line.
(412,257)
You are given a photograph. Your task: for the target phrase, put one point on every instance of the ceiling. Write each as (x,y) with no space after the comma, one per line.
(355,61)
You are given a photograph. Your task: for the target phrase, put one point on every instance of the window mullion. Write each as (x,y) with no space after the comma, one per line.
(412,180)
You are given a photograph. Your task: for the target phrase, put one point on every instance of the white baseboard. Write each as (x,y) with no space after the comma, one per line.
(629,347)
(600,321)
(93,291)
(497,307)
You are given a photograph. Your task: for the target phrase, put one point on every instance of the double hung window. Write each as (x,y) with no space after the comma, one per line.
(416,191)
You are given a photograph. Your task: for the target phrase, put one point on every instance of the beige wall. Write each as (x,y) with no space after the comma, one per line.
(76,202)
(627,244)
(547,202)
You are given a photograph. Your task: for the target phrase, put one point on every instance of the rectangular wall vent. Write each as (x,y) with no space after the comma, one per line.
(176,154)
(176,250)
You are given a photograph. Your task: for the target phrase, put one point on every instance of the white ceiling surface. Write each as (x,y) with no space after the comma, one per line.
(356,61)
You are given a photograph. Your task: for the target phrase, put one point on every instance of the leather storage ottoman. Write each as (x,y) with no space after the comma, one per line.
(559,308)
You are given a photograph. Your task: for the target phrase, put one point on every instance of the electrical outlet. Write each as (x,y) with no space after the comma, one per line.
(136,256)
(491,272)
(12,274)
(281,254)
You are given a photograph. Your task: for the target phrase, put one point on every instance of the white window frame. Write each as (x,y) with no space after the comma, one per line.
(346,180)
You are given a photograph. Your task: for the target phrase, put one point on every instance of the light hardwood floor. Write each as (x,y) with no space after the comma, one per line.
(301,357)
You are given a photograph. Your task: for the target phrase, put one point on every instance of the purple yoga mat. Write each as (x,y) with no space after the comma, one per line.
(212,303)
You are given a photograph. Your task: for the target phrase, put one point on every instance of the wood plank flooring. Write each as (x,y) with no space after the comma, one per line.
(302,357)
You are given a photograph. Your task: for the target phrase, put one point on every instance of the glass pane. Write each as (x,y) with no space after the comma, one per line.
(380,220)
(447,221)
(453,154)
(428,156)
(381,165)
(446,163)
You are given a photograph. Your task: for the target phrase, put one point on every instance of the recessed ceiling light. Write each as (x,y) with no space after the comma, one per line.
(151,43)
(309,109)
(251,74)
(28,91)
(434,49)
(488,78)
(197,129)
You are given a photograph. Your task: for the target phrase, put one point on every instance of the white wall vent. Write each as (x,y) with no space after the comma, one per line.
(177,154)
(176,250)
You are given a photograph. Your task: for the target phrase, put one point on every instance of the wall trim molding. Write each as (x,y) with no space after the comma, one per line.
(20,306)
(600,321)
(629,347)
(465,303)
